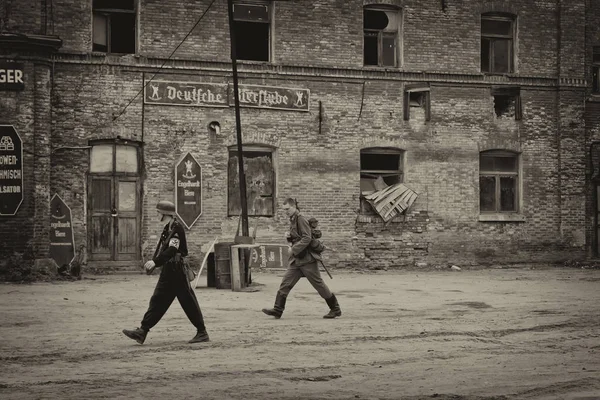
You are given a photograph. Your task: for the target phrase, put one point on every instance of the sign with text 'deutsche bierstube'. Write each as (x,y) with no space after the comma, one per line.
(188,190)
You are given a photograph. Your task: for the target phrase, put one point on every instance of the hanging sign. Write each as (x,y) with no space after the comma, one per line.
(62,245)
(11,170)
(188,190)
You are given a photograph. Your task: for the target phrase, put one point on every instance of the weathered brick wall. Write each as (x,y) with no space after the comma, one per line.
(329,32)
(321,168)
(592,123)
(23,16)
(29,112)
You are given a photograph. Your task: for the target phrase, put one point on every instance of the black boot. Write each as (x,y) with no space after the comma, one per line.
(279,306)
(138,334)
(200,337)
(334,308)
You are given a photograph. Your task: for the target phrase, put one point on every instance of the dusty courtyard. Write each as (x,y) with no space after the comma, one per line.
(483,334)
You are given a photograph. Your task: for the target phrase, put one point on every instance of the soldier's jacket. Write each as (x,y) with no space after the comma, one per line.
(173,249)
(300,235)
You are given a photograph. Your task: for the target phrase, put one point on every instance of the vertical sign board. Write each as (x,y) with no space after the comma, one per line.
(188,190)
(11,170)
(62,245)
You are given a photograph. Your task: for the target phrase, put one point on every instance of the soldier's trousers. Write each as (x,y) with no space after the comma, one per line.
(172,283)
(311,272)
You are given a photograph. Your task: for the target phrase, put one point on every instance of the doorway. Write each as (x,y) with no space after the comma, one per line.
(114,209)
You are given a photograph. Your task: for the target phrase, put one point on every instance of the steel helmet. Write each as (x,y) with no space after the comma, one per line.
(166,207)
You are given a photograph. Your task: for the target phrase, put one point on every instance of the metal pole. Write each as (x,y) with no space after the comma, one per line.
(238,125)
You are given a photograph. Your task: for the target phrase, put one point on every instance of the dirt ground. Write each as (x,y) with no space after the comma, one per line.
(480,334)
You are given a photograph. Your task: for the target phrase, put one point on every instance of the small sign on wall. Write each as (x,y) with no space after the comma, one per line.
(188,190)
(62,245)
(11,170)
(269,256)
(12,76)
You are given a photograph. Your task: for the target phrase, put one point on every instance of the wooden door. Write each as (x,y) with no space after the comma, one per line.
(114,218)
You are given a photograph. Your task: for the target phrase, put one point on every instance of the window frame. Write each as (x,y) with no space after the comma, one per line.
(380,33)
(254,149)
(115,144)
(500,174)
(107,13)
(426,91)
(364,207)
(513,92)
(512,38)
(270,9)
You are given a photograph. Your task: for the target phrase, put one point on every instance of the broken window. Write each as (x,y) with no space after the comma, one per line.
(114,26)
(260,181)
(379,167)
(417,104)
(596,70)
(252,30)
(498,181)
(380,27)
(497,43)
(507,102)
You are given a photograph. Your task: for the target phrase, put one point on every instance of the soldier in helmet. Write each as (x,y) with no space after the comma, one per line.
(172,282)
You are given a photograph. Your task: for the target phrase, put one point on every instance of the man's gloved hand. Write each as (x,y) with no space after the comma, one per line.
(149,267)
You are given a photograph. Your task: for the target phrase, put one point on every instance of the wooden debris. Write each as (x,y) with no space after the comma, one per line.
(391,200)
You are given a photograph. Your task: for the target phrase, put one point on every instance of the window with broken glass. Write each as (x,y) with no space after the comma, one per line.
(381,41)
(596,70)
(417,103)
(114,26)
(252,30)
(260,181)
(507,102)
(379,167)
(497,43)
(498,181)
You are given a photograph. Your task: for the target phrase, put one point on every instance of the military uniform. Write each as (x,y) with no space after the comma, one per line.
(302,262)
(172,283)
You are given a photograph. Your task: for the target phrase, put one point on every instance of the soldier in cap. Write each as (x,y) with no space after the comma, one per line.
(172,282)
(301,263)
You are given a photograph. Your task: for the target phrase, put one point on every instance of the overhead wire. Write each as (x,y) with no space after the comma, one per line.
(138,93)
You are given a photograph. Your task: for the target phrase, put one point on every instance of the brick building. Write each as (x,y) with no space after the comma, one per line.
(485,109)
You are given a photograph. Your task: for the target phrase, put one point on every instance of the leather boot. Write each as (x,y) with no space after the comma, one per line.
(137,334)
(277,310)
(200,337)
(334,308)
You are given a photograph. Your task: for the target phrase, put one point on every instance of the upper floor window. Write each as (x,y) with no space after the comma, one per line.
(381,44)
(417,103)
(596,70)
(252,30)
(498,181)
(114,26)
(497,43)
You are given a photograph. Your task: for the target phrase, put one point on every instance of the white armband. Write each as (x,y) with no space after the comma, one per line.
(174,242)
